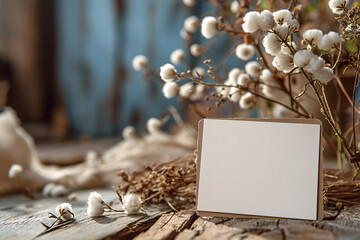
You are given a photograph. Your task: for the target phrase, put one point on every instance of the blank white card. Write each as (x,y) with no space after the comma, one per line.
(263,168)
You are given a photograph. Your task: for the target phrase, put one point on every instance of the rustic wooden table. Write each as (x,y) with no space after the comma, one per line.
(20,218)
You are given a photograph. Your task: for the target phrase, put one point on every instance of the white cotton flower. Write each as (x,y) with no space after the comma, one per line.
(132,203)
(247,101)
(251,22)
(186,90)
(253,69)
(233,75)
(154,125)
(58,191)
(283,62)
(234,6)
(268,91)
(244,80)
(170,89)
(337,6)
(315,64)
(282,16)
(234,94)
(189,3)
(15,170)
(198,71)
(128,132)
(267,77)
(196,50)
(303,57)
(199,93)
(329,41)
(224,91)
(185,34)
(245,51)
(282,30)
(324,75)
(95,205)
(272,44)
(65,211)
(191,24)
(46,191)
(266,20)
(167,72)
(140,62)
(209,27)
(177,56)
(293,25)
(312,36)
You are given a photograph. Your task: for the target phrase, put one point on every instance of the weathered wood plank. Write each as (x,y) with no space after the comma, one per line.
(169,225)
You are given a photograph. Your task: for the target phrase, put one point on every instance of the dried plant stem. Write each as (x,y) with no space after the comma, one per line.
(262,56)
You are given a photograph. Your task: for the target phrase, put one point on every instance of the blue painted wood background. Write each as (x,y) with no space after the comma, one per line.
(97,41)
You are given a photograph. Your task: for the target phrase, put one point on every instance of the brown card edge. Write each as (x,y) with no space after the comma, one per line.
(320,204)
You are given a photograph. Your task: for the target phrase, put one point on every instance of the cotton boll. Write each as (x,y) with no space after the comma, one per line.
(245,51)
(253,69)
(233,75)
(209,27)
(324,75)
(244,80)
(315,64)
(282,30)
(272,44)
(224,91)
(268,91)
(293,25)
(186,90)
(128,132)
(167,72)
(196,50)
(337,6)
(191,24)
(199,93)
(329,41)
(15,170)
(335,38)
(266,20)
(282,16)
(190,3)
(185,34)
(303,57)
(234,94)
(234,6)
(177,56)
(132,203)
(95,209)
(170,89)
(251,22)
(198,71)
(65,211)
(312,36)
(267,77)
(247,101)
(283,62)
(140,62)
(58,191)
(154,125)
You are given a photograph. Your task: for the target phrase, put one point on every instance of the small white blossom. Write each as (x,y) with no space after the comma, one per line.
(244,80)
(177,56)
(189,3)
(245,51)
(167,72)
(329,41)
(253,69)
(95,205)
(140,62)
(283,62)
(267,77)
(233,75)
(272,44)
(191,24)
(196,50)
(15,170)
(65,211)
(251,22)
(312,36)
(170,89)
(128,132)
(154,125)
(186,90)
(234,6)
(209,27)
(247,101)
(266,20)
(282,16)
(199,93)
(324,75)
(337,6)
(302,58)
(132,203)
(185,34)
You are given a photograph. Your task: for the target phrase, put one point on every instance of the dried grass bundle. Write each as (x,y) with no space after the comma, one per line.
(173,183)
